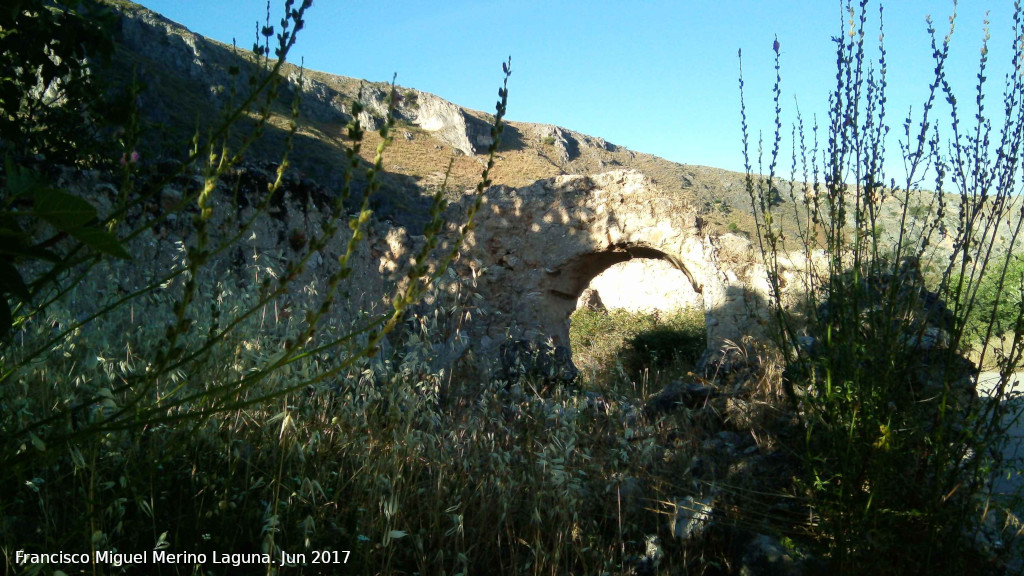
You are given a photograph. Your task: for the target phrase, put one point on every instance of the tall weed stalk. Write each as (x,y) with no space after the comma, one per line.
(899,448)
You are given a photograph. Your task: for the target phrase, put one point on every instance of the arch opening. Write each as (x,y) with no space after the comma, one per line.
(631,313)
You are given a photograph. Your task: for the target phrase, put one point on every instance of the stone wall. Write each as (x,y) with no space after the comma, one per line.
(531,254)
(537,248)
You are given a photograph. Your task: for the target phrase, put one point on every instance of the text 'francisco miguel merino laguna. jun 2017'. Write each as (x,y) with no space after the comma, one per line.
(113,558)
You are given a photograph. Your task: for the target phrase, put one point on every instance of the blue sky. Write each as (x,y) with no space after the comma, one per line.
(654,76)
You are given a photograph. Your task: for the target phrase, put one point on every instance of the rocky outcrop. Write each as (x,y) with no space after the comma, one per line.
(450,123)
(591,299)
(563,145)
(161,40)
(321,102)
(566,147)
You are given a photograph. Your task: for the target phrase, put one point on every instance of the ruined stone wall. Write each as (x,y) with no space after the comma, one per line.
(540,246)
(531,254)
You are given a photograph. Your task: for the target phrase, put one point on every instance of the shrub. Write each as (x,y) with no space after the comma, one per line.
(997,303)
(679,339)
(617,343)
(723,207)
(897,450)
(50,111)
(919,211)
(49,102)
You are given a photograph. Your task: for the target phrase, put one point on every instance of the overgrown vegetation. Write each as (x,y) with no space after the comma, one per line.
(998,299)
(212,395)
(51,104)
(898,449)
(616,345)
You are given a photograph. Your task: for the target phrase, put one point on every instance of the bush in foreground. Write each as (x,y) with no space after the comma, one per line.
(898,450)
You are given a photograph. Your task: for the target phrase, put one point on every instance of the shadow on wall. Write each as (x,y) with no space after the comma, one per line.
(744,313)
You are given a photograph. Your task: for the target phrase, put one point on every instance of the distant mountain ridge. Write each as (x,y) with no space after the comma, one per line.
(187,76)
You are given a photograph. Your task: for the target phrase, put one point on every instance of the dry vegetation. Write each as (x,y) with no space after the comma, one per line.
(224,410)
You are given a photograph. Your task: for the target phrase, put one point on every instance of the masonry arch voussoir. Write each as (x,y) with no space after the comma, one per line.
(568,280)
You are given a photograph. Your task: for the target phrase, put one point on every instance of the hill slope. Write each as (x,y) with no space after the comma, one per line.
(187,78)
(187,82)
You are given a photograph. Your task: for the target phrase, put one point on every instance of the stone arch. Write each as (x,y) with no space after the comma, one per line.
(576,273)
(563,285)
(540,245)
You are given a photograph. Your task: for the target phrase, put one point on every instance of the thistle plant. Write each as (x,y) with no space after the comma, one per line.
(899,448)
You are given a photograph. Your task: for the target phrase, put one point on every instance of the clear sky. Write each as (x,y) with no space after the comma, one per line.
(654,76)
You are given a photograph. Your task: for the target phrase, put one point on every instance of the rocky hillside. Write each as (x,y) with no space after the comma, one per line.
(187,80)
(187,76)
